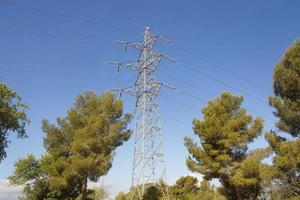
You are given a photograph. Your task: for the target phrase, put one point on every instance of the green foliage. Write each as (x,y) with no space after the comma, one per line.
(25,170)
(79,148)
(122,196)
(286,165)
(152,193)
(98,193)
(286,178)
(12,117)
(286,102)
(184,185)
(224,134)
(208,192)
(82,145)
(187,188)
(252,174)
(286,84)
(30,173)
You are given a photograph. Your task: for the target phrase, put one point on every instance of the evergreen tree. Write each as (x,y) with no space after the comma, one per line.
(188,188)
(286,85)
(12,117)
(207,192)
(286,102)
(225,133)
(184,185)
(98,193)
(252,175)
(152,193)
(78,149)
(82,145)
(185,188)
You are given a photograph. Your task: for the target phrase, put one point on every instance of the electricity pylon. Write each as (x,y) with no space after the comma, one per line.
(148,157)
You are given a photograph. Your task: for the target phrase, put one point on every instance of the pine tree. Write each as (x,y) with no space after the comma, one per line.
(188,188)
(79,148)
(225,133)
(286,102)
(82,145)
(185,185)
(152,193)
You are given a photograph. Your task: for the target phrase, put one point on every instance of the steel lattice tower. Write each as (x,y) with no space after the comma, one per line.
(148,157)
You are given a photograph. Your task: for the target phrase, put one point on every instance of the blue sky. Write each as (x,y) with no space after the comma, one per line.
(51,51)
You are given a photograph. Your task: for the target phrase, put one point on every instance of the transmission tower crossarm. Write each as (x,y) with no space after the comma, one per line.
(131,65)
(163,56)
(128,90)
(168,86)
(136,44)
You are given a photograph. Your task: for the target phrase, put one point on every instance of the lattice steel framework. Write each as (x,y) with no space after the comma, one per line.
(148,157)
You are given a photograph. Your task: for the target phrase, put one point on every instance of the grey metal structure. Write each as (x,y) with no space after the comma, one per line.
(148,156)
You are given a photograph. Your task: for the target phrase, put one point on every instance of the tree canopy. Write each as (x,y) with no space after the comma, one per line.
(286,85)
(31,173)
(12,117)
(188,188)
(224,134)
(79,147)
(185,185)
(286,104)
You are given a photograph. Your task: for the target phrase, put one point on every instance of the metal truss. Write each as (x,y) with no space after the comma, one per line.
(148,157)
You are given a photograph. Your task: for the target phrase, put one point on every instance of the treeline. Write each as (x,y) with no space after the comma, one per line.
(81,146)
(185,188)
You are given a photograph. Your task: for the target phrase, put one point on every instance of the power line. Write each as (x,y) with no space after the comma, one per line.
(193,108)
(32,71)
(62,15)
(167,98)
(106,78)
(124,80)
(221,82)
(205,75)
(87,20)
(91,21)
(72,86)
(179,102)
(177,120)
(187,83)
(232,73)
(172,100)
(200,99)
(41,34)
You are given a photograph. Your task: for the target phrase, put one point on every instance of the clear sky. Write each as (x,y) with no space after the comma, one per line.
(51,51)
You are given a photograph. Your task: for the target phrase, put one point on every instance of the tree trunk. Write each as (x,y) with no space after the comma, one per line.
(84,189)
(238,194)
